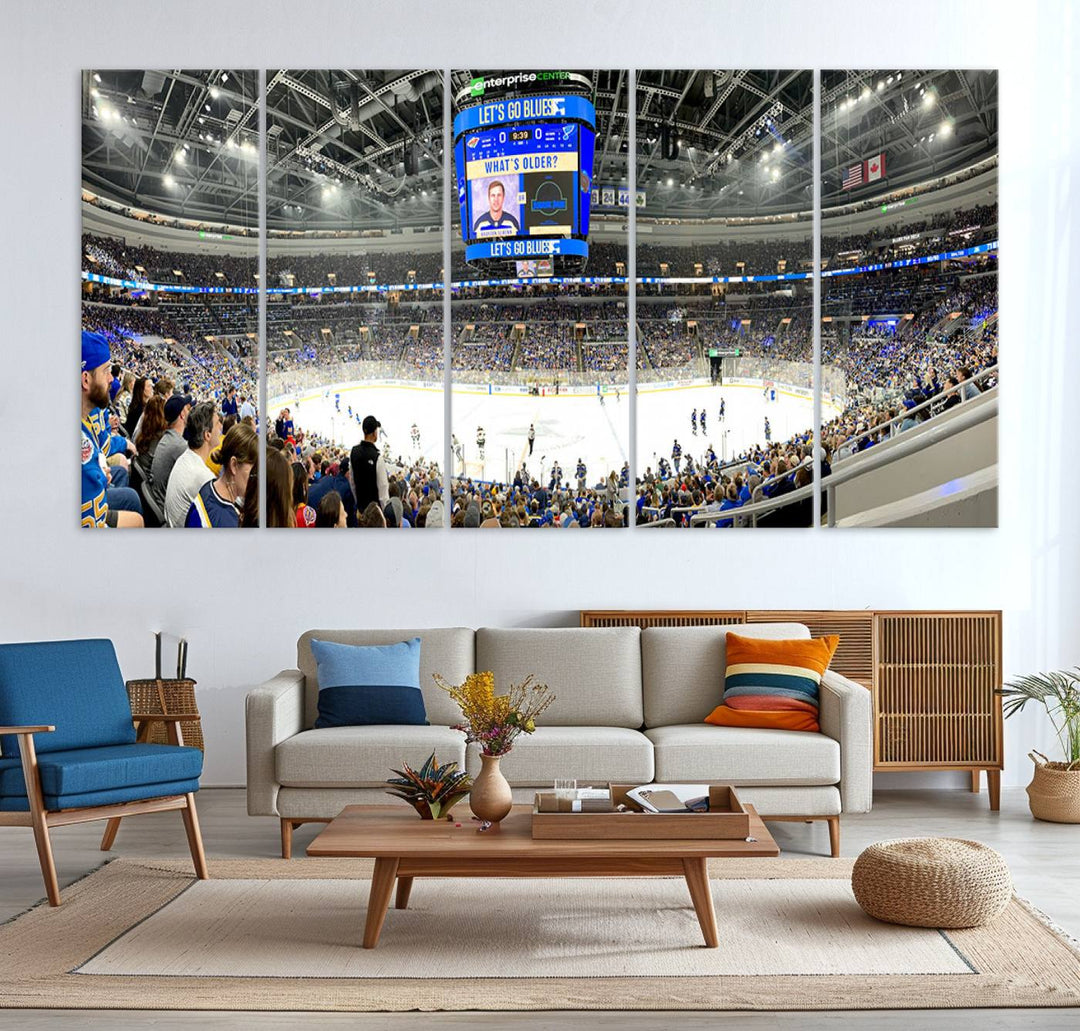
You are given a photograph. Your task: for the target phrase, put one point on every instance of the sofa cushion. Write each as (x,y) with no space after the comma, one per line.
(743,755)
(683,667)
(84,770)
(594,674)
(74,685)
(773,684)
(365,684)
(362,756)
(446,651)
(586,754)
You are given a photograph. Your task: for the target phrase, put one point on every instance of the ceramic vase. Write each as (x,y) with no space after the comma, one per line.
(490,798)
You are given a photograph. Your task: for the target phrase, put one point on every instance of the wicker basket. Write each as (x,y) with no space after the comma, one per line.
(932,882)
(1054,791)
(162,697)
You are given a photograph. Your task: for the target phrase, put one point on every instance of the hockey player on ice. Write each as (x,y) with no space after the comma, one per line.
(722,409)
(414,434)
(693,421)
(676,456)
(768,431)
(481,440)
(581,473)
(532,438)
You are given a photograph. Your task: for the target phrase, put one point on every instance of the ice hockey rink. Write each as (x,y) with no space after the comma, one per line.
(568,426)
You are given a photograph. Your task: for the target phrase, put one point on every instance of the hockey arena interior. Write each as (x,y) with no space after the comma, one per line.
(704,342)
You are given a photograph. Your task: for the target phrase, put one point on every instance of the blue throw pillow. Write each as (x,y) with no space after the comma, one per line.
(360,685)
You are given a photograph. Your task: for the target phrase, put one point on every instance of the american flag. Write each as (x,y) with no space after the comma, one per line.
(853,177)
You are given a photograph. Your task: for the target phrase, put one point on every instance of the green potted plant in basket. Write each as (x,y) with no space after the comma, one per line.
(1054,792)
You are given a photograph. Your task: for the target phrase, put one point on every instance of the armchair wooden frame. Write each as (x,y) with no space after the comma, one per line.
(41,819)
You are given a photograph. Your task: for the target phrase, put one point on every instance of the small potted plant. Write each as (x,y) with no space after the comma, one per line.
(493,722)
(1054,792)
(433,790)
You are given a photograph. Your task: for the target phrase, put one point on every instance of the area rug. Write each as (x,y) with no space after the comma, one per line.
(268,934)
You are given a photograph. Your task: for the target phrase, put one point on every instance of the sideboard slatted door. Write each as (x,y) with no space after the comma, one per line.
(643,619)
(854,656)
(935,700)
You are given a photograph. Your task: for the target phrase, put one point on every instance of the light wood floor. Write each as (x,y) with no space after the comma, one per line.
(1044,858)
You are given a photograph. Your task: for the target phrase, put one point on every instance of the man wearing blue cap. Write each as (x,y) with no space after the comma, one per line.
(102,505)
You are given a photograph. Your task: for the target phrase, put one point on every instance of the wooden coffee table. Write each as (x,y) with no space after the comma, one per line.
(404,846)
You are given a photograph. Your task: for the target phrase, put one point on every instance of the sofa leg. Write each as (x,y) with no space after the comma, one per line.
(194,836)
(286,839)
(834,836)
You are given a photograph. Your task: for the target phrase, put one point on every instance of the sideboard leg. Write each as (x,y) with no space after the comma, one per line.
(993,786)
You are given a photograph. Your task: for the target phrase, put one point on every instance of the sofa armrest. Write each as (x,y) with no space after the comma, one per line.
(846,716)
(274,712)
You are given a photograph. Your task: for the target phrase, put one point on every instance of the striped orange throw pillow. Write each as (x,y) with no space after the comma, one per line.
(773,684)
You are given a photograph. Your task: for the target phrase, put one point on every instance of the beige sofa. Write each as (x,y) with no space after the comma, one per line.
(629,707)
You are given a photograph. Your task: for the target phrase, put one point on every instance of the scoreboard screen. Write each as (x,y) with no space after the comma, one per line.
(524,184)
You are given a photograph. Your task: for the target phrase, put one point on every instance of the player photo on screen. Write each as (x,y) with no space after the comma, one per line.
(496,206)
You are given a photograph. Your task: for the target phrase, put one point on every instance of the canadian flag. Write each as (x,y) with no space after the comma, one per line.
(875,168)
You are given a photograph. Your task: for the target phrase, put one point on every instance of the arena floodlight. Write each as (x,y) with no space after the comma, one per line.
(881,84)
(928,98)
(945,129)
(671,182)
(168,180)
(97,78)
(214,93)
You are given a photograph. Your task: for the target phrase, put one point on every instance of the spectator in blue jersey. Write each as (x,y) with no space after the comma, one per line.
(114,386)
(495,218)
(336,481)
(220,501)
(101,505)
(229,405)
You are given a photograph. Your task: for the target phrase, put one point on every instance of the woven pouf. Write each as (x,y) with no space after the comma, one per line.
(932,882)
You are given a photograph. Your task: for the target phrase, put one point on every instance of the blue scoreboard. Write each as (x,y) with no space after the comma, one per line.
(524,171)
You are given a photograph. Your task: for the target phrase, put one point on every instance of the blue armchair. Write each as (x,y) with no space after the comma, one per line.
(68,749)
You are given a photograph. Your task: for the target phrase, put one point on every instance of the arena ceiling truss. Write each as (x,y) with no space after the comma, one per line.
(356,148)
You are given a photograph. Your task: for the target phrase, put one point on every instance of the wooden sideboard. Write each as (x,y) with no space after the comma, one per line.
(933,674)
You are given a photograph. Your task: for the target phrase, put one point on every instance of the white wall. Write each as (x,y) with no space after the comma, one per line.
(243,598)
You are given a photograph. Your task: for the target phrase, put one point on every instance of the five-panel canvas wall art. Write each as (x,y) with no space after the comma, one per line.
(547,299)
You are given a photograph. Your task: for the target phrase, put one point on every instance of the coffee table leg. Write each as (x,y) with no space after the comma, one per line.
(697,880)
(382,884)
(404,886)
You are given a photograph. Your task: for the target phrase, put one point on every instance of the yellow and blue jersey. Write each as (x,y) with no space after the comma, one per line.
(97,444)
